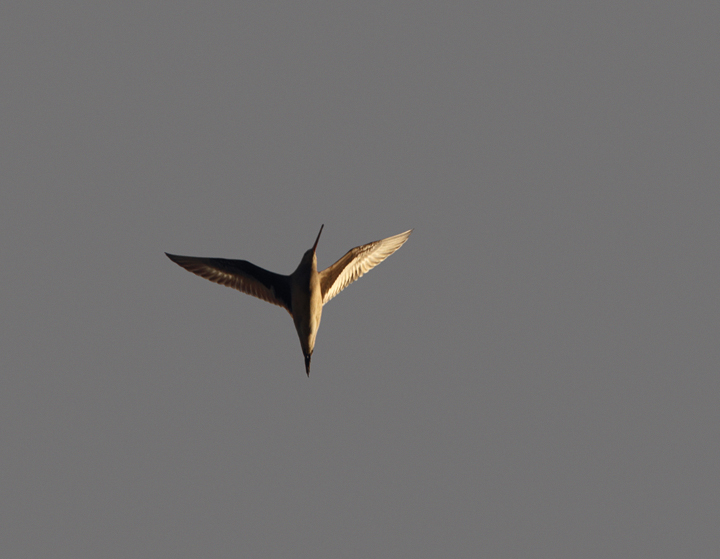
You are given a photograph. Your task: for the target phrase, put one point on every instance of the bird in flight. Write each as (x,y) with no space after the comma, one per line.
(304,292)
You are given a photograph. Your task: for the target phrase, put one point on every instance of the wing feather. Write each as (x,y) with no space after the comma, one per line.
(357,262)
(241,275)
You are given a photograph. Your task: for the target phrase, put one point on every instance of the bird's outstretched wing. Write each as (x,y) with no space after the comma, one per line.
(241,275)
(356,262)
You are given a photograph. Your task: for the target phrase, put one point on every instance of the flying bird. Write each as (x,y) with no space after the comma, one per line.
(304,292)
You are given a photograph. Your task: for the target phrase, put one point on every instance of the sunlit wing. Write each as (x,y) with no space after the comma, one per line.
(356,262)
(241,275)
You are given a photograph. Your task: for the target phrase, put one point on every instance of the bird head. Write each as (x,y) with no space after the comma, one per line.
(310,255)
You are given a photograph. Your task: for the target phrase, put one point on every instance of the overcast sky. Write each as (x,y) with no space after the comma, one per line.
(533,374)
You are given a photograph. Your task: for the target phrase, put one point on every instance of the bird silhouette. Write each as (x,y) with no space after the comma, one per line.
(304,292)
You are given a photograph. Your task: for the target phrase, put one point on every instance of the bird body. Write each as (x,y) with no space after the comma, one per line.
(304,292)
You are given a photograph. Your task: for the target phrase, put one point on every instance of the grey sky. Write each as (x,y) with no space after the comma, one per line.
(534,374)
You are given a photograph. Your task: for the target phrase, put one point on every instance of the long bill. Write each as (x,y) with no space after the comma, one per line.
(318,238)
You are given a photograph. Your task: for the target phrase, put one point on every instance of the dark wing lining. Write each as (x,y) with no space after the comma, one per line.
(241,275)
(356,262)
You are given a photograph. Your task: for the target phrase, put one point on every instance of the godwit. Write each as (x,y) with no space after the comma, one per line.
(304,292)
